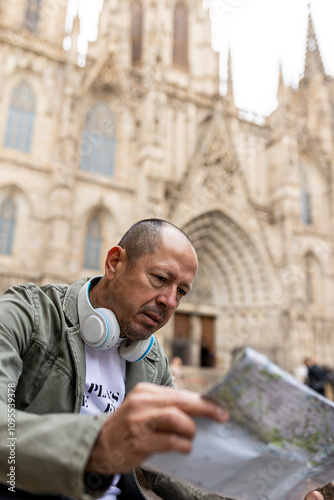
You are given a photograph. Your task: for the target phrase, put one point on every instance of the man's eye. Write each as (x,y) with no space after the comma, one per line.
(182,292)
(161,278)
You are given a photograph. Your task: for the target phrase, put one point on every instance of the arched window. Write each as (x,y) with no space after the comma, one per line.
(309,280)
(136,30)
(7,226)
(305,197)
(313,280)
(93,244)
(20,119)
(32,15)
(180,38)
(98,141)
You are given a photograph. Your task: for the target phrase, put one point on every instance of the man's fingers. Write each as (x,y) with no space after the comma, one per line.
(162,420)
(142,450)
(169,442)
(188,401)
(314,495)
(145,446)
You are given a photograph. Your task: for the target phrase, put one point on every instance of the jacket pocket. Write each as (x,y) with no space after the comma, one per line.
(46,384)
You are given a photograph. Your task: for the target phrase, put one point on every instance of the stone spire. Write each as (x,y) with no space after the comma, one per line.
(280,77)
(229,83)
(313,61)
(75,33)
(229,96)
(282,90)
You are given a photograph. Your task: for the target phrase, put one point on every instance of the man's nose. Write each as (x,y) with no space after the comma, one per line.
(169,298)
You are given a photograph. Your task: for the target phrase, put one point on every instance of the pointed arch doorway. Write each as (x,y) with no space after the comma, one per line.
(229,306)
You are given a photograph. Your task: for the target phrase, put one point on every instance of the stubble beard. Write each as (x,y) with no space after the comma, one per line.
(134,330)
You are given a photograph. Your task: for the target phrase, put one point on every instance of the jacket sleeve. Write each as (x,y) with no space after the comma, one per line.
(39,453)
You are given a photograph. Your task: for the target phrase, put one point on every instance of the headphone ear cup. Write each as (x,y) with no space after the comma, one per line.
(111,328)
(101,329)
(93,330)
(136,350)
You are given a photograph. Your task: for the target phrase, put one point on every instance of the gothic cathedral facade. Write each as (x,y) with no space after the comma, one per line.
(142,131)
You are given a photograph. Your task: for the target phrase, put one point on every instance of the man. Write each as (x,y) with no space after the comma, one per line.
(50,375)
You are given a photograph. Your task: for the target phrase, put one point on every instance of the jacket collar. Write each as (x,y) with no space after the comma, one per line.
(70,305)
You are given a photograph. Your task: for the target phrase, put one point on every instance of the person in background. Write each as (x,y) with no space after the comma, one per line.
(301,371)
(329,384)
(316,375)
(176,367)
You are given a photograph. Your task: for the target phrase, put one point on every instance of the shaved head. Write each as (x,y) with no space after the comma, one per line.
(146,236)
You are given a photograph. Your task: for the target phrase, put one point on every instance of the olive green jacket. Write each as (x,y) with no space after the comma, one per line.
(44,444)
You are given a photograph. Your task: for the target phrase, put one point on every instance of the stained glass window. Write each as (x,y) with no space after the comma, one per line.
(136,30)
(180,39)
(98,141)
(93,244)
(32,15)
(7,226)
(20,121)
(305,198)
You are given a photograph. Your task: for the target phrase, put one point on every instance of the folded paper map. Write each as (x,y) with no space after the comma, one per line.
(278,443)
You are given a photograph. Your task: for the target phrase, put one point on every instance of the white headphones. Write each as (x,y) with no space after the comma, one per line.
(99,328)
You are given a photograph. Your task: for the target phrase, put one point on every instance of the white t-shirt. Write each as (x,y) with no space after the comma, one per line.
(104,390)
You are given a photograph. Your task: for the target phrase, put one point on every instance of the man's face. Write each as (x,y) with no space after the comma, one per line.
(144,295)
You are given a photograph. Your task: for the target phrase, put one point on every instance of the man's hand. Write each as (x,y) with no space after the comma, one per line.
(314,495)
(152,419)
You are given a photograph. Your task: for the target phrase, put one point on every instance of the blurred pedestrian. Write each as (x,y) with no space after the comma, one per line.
(316,377)
(301,371)
(176,367)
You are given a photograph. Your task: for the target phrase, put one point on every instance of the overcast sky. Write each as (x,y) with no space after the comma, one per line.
(260,35)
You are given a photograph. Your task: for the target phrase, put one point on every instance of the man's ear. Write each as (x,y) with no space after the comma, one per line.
(116,256)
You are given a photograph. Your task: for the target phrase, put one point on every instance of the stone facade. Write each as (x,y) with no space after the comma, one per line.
(256,200)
